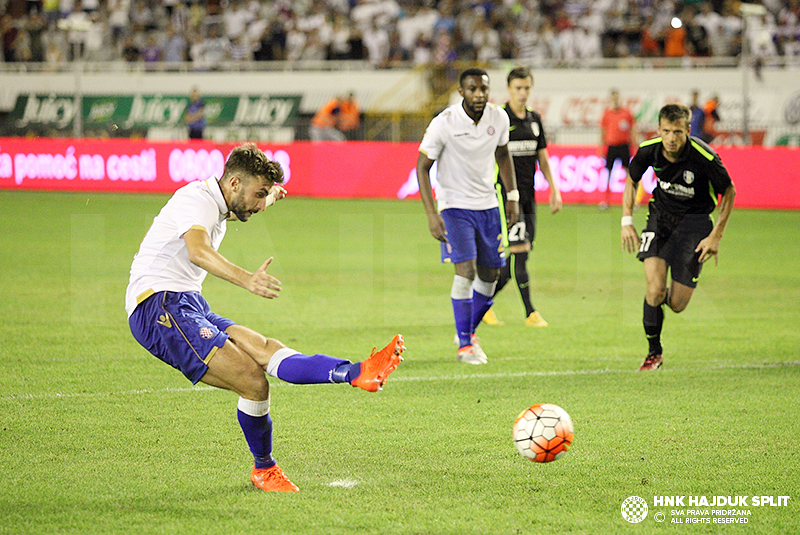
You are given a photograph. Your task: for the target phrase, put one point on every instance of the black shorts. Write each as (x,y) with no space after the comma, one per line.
(618,152)
(524,230)
(676,243)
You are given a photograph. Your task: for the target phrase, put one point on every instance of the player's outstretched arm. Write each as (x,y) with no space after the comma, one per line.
(204,256)
(709,246)
(630,239)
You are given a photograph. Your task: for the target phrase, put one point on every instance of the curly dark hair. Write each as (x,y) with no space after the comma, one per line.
(251,161)
(474,71)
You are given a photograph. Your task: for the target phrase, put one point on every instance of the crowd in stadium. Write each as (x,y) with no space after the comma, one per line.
(213,33)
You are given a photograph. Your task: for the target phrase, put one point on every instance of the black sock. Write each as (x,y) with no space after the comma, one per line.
(523,281)
(653,319)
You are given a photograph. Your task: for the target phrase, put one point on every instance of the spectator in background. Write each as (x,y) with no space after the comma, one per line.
(235,18)
(711,21)
(65,8)
(336,119)
(215,49)
(195,117)
(142,17)
(698,116)
(98,38)
(376,39)
(650,44)
(340,47)
(151,52)
(50,11)
(175,46)
(789,28)
(710,119)
(118,19)
(618,131)
(314,49)
(21,44)
(37,27)
(240,50)
(675,38)
(53,55)
(77,25)
(271,45)
(696,35)
(732,26)
(486,41)
(130,52)
(295,41)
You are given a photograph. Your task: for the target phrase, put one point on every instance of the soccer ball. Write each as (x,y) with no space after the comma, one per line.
(543,432)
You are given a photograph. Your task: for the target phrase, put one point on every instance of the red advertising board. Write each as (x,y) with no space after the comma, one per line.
(764,177)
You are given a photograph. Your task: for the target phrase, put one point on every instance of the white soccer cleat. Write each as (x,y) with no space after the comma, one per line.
(468,355)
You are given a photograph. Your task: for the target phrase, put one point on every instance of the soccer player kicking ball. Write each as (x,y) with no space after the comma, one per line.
(169,317)
(680,234)
(465,140)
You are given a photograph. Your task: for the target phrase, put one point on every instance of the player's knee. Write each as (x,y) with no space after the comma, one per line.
(256,387)
(678,307)
(263,352)
(656,294)
(272,345)
(466,271)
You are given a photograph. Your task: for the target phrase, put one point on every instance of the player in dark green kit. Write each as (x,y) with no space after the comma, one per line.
(680,234)
(528,145)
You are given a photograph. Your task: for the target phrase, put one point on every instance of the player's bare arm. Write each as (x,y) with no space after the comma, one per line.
(630,239)
(505,166)
(435,221)
(555,193)
(203,255)
(709,246)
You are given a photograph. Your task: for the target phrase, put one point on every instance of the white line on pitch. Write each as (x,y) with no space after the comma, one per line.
(417,378)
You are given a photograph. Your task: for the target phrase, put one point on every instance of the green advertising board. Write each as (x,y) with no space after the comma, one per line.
(55,114)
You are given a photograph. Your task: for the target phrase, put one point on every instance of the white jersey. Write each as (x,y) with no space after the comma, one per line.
(162,263)
(464,154)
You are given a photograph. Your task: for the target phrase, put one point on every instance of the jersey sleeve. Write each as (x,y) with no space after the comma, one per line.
(542,138)
(433,141)
(194,211)
(505,126)
(718,177)
(642,160)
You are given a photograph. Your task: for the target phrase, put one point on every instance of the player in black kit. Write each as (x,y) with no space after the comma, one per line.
(680,234)
(528,145)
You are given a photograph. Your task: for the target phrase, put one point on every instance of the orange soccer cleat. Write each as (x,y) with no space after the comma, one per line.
(376,369)
(652,362)
(272,480)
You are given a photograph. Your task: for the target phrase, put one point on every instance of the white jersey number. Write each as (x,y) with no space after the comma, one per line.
(647,240)
(517,232)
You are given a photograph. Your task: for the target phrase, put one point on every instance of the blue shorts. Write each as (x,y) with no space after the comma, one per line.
(180,329)
(473,235)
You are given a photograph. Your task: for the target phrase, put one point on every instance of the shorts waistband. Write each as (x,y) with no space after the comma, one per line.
(144,295)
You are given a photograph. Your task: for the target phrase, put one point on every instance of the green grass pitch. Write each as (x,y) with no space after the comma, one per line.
(97,436)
